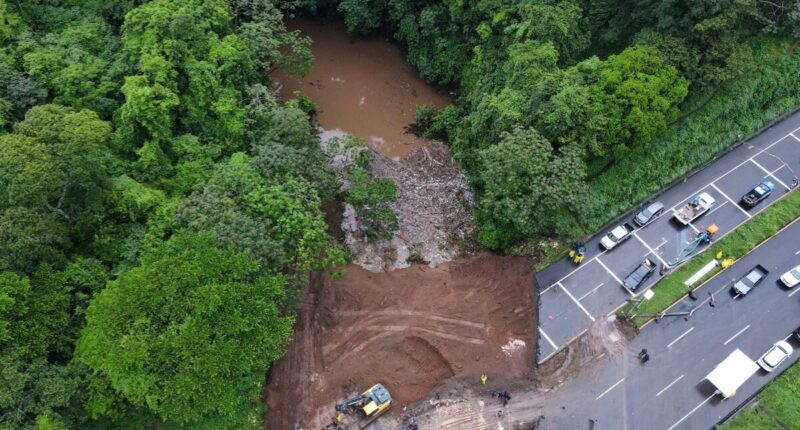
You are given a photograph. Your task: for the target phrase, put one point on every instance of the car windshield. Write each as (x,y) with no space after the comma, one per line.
(646,213)
(774,357)
(795,273)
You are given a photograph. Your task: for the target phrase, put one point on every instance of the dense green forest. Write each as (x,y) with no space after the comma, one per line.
(161,211)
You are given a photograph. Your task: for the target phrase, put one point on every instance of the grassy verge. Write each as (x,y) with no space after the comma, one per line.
(735,245)
(738,109)
(778,406)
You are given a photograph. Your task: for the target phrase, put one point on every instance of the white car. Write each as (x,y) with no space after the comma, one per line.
(775,356)
(791,278)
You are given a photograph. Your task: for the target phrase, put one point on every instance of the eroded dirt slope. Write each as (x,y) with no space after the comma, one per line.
(410,329)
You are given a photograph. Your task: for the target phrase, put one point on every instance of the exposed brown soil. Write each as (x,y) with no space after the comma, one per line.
(361,86)
(411,329)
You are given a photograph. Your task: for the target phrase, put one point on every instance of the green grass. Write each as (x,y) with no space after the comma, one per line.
(739,109)
(735,245)
(778,406)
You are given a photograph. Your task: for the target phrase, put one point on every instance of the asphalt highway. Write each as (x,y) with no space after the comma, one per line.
(572,297)
(670,392)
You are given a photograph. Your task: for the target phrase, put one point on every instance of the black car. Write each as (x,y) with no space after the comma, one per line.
(639,275)
(796,334)
(757,194)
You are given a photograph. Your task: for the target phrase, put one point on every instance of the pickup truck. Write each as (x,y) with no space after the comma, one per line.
(616,236)
(694,209)
(640,274)
(750,280)
(760,192)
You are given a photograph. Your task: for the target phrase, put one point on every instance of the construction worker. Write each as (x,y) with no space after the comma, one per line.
(483,379)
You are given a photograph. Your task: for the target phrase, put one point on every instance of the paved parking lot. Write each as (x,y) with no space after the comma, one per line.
(572,297)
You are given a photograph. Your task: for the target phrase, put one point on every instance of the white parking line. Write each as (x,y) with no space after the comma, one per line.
(798,252)
(653,251)
(794,292)
(547,338)
(576,301)
(730,200)
(609,271)
(696,230)
(680,337)
(670,384)
(609,389)
(692,411)
(718,207)
(770,173)
(737,334)
(758,152)
(592,290)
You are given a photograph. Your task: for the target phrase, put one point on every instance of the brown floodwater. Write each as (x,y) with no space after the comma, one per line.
(362,87)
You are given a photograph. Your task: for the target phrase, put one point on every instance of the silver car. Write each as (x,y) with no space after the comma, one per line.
(648,214)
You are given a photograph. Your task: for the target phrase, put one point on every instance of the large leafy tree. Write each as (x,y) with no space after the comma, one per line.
(189,333)
(530,188)
(277,222)
(53,180)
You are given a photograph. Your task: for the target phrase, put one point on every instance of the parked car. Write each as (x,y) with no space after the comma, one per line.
(796,334)
(616,236)
(792,277)
(757,194)
(750,280)
(648,214)
(639,275)
(775,356)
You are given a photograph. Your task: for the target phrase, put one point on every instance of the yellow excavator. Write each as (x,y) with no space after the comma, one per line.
(370,404)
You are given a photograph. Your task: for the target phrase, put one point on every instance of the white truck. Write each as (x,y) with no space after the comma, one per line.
(694,209)
(729,375)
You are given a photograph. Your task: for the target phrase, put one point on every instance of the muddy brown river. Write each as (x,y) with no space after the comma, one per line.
(362,87)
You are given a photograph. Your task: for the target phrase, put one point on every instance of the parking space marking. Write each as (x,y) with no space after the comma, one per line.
(770,173)
(794,292)
(547,338)
(692,411)
(681,336)
(609,389)
(758,152)
(652,251)
(730,200)
(576,301)
(798,252)
(670,384)
(609,271)
(718,206)
(737,334)
(590,292)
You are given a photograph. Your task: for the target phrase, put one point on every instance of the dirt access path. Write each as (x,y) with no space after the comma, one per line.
(411,329)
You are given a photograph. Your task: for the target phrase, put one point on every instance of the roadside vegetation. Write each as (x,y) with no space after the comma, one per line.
(735,245)
(776,408)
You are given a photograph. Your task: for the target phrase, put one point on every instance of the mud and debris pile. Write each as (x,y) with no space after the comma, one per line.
(434,205)
(411,329)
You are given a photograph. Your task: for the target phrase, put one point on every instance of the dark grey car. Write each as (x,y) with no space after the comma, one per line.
(648,214)
(639,275)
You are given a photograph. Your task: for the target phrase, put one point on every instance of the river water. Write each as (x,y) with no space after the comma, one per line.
(361,87)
